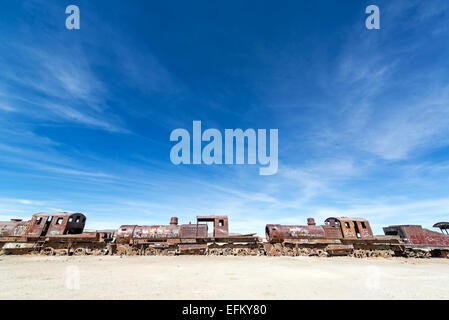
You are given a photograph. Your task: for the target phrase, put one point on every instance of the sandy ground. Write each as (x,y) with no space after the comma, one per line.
(200,277)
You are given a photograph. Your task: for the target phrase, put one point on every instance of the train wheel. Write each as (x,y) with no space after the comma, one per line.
(372,254)
(48,251)
(79,252)
(254,252)
(386,253)
(226,252)
(170,252)
(275,252)
(121,250)
(62,252)
(321,253)
(95,252)
(213,252)
(158,252)
(359,253)
(302,252)
(410,254)
(289,252)
(149,252)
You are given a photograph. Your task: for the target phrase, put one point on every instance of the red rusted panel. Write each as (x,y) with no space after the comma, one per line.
(332,232)
(415,234)
(191,231)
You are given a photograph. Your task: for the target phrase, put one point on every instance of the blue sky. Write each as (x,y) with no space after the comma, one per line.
(363,115)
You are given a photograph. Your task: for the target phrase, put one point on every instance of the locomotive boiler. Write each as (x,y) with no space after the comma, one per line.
(338,236)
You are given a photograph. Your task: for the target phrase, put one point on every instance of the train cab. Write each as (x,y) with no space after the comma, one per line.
(56,224)
(351,228)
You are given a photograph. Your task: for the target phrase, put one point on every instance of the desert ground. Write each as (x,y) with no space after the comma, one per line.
(203,277)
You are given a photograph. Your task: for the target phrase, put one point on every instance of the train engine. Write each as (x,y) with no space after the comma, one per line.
(186,239)
(422,243)
(58,233)
(338,236)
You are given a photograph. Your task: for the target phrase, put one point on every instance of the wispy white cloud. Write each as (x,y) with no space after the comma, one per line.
(369,114)
(57,87)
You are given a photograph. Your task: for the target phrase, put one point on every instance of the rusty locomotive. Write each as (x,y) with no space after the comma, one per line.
(186,238)
(63,234)
(59,233)
(338,236)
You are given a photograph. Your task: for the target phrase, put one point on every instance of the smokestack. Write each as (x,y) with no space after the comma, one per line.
(174,221)
(311,222)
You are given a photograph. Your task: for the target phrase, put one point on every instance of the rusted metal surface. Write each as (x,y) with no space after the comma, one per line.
(52,233)
(276,232)
(348,228)
(193,231)
(351,227)
(52,224)
(416,235)
(156,232)
(339,236)
(13,228)
(184,238)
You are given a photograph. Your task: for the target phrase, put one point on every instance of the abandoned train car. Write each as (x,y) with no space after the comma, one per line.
(338,236)
(51,233)
(186,238)
(420,242)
